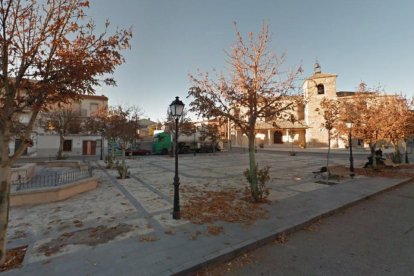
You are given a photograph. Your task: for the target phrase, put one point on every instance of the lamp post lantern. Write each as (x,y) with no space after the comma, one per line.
(351,158)
(176,109)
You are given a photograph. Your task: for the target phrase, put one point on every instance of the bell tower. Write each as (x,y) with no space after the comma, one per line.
(317,87)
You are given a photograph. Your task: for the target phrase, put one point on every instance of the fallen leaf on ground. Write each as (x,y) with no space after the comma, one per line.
(148,239)
(90,236)
(14,258)
(229,206)
(281,239)
(214,230)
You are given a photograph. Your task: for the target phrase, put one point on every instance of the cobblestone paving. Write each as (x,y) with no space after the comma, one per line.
(144,201)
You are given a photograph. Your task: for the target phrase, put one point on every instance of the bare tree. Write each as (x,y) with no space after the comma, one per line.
(97,124)
(49,54)
(330,111)
(119,125)
(185,126)
(397,124)
(256,88)
(62,121)
(365,110)
(211,132)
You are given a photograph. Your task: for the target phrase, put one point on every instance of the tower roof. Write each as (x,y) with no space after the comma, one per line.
(317,68)
(317,72)
(321,75)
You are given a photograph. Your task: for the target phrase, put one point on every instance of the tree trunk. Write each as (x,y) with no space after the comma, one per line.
(374,160)
(253,168)
(397,153)
(4,209)
(102,148)
(113,145)
(215,143)
(406,152)
(60,151)
(327,157)
(5,179)
(123,175)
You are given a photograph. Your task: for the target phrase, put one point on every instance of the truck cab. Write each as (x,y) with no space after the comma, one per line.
(161,143)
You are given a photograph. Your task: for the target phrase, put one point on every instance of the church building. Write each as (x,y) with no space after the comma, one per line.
(307,130)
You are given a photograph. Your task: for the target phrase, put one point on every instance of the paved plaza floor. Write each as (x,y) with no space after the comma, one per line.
(139,208)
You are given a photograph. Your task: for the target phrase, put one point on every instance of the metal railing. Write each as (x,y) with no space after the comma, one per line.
(53,180)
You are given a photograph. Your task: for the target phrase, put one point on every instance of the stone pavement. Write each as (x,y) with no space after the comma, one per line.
(151,243)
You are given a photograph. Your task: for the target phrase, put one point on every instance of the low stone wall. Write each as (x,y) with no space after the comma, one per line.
(52,194)
(63,163)
(22,173)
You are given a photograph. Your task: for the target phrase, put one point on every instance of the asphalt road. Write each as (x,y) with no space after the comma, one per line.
(374,237)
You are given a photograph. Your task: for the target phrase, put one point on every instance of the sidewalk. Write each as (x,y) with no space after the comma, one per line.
(162,246)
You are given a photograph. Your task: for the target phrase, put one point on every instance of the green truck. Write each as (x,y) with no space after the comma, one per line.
(162,144)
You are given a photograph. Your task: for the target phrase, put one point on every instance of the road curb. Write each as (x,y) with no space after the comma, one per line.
(246,246)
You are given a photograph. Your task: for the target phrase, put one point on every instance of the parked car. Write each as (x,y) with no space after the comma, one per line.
(129,152)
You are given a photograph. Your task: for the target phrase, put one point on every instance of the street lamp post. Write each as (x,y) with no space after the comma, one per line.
(176,109)
(102,148)
(351,158)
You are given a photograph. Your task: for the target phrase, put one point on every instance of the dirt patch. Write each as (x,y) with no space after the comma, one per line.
(400,171)
(339,170)
(89,236)
(14,258)
(229,206)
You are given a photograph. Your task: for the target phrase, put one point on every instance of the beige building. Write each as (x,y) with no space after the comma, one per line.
(146,128)
(307,130)
(46,143)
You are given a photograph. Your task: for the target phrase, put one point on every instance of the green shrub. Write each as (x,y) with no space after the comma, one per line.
(263,178)
(109,161)
(122,171)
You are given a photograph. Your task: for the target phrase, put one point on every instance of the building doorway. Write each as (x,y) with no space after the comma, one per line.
(277,137)
(89,148)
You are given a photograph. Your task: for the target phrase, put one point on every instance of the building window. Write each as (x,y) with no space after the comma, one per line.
(321,89)
(93,108)
(301,112)
(67,145)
